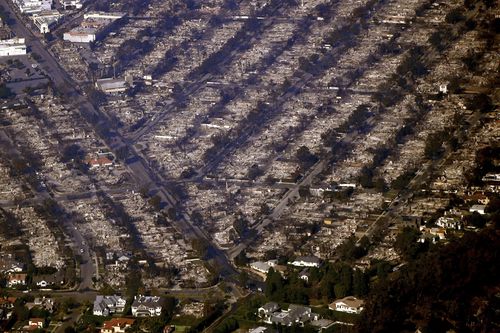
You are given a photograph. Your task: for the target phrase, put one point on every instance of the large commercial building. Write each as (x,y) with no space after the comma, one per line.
(94,26)
(33,6)
(12,47)
(111,85)
(70,4)
(45,21)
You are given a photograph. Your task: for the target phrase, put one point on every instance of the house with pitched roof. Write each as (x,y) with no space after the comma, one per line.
(117,325)
(106,305)
(16,279)
(35,323)
(147,306)
(294,315)
(307,261)
(349,304)
(267,309)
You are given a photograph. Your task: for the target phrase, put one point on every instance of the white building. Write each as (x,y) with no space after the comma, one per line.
(491,177)
(93,27)
(295,315)
(33,6)
(267,309)
(263,266)
(80,35)
(349,304)
(12,47)
(260,329)
(309,261)
(103,16)
(449,223)
(110,85)
(69,4)
(16,279)
(35,323)
(146,306)
(481,209)
(45,21)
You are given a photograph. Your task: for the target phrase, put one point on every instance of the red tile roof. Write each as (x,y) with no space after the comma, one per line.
(118,322)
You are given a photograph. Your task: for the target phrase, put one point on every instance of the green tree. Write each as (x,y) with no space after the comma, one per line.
(434,145)
(365,177)
(455,15)
(240,225)
(72,152)
(243,278)
(5,92)
(254,172)
(346,277)
(360,284)
(274,285)
(403,180)
(306,158)
(407,243)
(383,269)
(228,325)
(476,220)
(437,40)
(341,290)
(155,202)
(304,191)
(133,282)
(442,288)
(380,185)
(343,285)
(21,312)
(200,246)
(481,102)
(241,259)
(265,209)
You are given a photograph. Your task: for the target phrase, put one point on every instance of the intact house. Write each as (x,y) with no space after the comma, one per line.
(6,311)
(480,209)
(6,308)
(261,268)
(322,324)
(99,162)
(349,304)
(49,280)
(295,315)
(35,323)
(305,275)
(105,305)
(146,306)
(16,279)
(7,302)
(267,309)
(433,234)
(117,325)
(308,261)
(9,265)
(449,223)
